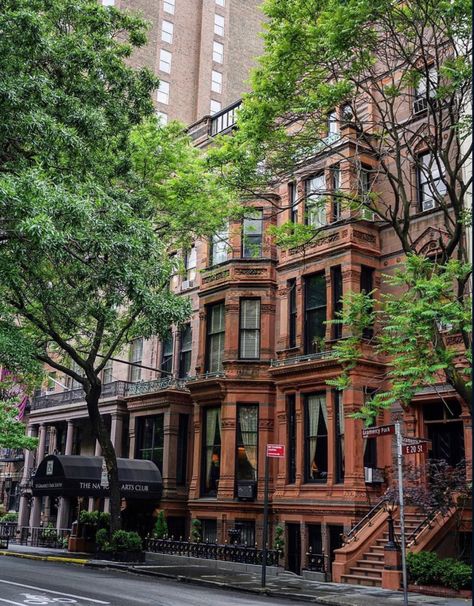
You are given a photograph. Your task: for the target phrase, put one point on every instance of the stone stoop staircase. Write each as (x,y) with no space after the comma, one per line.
(368,570)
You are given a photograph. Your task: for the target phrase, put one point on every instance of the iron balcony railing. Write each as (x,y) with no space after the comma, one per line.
(302,358)
(143,387)
(316,562)
(224,119)
(212,551)
(10,455)
(207,375)
(109,390)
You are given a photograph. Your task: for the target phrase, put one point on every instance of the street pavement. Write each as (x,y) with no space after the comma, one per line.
(170,584)
(25,582)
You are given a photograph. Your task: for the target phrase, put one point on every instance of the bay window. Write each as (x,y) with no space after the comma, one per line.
(249,346)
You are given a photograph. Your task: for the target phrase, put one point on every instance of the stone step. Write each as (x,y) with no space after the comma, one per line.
(366,570)
(366,563)
(356,579)
(370,556)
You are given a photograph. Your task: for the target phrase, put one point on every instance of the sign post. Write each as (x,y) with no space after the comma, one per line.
(273,451)
(398,434)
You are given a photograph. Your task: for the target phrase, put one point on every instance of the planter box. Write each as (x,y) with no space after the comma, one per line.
(81,544)
(121,556)
(442,592)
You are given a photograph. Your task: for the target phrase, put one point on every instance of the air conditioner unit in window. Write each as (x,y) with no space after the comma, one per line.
(372,475)
(428,204)
(185,284)
(246,490)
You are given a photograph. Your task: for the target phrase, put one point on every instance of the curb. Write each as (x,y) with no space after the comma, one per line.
(27,556)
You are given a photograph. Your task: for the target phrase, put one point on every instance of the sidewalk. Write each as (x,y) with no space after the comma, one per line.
(284,585)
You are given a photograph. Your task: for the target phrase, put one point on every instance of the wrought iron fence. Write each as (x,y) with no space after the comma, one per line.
(44,537)
(316,562)
(212,551)
(8,530)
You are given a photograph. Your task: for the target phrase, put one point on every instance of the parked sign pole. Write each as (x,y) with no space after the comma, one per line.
(398,434)
(265,525)
(273,451)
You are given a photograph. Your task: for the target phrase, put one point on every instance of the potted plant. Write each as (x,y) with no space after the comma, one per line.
(160,531)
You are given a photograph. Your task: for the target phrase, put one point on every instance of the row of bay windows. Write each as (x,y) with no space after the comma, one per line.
(314,314)
(318,425)
(323,195)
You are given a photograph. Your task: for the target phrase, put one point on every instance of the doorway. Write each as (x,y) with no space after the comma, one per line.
(294,548)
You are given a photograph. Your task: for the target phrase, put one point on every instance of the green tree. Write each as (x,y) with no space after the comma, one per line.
(371,61)
(93,194)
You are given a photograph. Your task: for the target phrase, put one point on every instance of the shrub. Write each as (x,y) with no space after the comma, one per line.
(12,516)
(426,568)
(102,540)
(99,519)
(126,541)
(279,540)
(455,575)
(161,526)
(196,531)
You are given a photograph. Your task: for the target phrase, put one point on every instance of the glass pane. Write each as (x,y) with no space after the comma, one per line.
(315,291)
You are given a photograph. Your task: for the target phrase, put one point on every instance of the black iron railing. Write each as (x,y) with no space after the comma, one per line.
(44,537)
(366,520)
(212,551)
(8,530)
(316,562)
(109,390)
(302,358)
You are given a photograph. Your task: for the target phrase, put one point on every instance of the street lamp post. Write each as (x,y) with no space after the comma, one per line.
(390,508)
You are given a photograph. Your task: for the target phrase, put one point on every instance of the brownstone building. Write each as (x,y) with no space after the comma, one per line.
(251,366)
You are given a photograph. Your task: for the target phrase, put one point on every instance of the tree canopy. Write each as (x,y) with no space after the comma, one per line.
(94,194)
(396,79)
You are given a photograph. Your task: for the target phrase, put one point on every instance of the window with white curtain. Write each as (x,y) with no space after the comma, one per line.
(247,432)
(163,92)
(430,183)
(218,52)
(219,247)
(211,452)
(316,201)
(316,438)
(215,107)
(165,61)
(216,81)
(136,355)
(249,329)
(167,29)
(215,337)
(219,25)
(220,2)
(339,436)
(168,6)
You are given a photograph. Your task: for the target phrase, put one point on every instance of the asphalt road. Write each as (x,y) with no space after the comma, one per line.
(29,583)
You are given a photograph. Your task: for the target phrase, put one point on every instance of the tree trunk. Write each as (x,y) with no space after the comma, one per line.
(108,452)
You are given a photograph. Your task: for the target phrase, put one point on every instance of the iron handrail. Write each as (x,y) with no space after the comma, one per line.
(350,536)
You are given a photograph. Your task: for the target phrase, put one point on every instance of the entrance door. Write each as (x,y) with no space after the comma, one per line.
(447,441)
(294,548)
(335,541)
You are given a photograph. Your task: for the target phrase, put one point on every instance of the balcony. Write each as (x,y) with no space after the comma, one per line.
(224,119)
(11,455)
(298,359)
(109,390)
(145,387)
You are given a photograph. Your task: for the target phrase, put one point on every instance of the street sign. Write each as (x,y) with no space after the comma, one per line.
(414,446)
(376,432)
(275,450)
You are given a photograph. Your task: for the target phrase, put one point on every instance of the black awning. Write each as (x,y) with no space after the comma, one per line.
(71,475)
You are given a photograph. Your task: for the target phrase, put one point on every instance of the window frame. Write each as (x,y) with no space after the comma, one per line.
(423,180)
(337,293)
(165,64)
(310,347)
(163,96)
(167,359)
(204,448)
(219,25)
(217,53)
(292,313)
(257,331)
(184,353)
(291,438)
(135,370)
(167,32)
(140,422)
(258,236)
(307,437)
(210,336)
(322,210)
(240,407)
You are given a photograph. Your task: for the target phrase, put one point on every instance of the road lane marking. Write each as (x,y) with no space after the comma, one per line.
(10,602)
(68,595)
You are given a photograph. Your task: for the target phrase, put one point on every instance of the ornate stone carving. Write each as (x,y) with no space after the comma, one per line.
(214,277)
(364,237)
(250,271)
(267,424)
(228,424)
(267,308)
